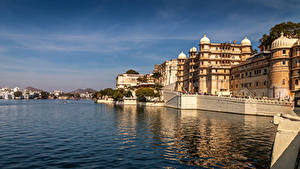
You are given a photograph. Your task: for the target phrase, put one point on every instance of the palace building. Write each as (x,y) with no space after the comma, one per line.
(231,69)
(208,70)
(273,73)
(168,71)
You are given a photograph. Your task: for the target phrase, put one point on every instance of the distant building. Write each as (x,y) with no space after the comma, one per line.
(127,80)
(57,93)
(168,71)
(16,89)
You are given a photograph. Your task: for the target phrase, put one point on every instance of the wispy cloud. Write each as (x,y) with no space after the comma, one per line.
(278,4)
(60,46)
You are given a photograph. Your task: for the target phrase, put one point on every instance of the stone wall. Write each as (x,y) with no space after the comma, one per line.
(151,104)
(286,148)
(172,99)
(188,102)
(220,104)
(228,104)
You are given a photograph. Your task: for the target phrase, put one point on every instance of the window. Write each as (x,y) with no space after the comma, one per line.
(236,86)
(256,83)
(250,84)
(296,82)
(283,51)
(283,62)
(283,81)
(265,83)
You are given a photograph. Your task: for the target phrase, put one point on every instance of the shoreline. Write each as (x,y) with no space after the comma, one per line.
(230,105)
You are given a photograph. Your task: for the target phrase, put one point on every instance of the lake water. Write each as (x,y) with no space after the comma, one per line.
(81,134)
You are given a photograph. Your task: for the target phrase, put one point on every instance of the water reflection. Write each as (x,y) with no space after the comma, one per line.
(81,134)
(199,138)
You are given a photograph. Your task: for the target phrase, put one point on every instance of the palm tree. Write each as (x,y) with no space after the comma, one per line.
(156,76)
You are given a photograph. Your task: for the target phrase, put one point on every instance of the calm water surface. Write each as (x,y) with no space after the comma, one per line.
(81,134)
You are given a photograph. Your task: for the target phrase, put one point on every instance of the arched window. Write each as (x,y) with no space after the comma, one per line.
(283,81)
(296,82)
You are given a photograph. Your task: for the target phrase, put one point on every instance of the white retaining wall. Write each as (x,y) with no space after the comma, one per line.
(227,104)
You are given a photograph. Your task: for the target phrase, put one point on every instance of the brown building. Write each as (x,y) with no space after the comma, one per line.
(274,73)
(168,71)
(181,71)
(208,70)
(229,68)
(251,78)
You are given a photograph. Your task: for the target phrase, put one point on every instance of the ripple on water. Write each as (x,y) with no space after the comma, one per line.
(50,134)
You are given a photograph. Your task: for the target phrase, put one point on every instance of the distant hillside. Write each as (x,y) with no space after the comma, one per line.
(89,90)
(33,89)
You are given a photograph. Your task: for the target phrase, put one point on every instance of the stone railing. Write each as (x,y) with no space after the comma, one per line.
(286,148)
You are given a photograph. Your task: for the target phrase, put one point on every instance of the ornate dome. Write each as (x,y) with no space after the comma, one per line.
(283,42)
(181,56)
(204,40)
(246,42)
(193,49)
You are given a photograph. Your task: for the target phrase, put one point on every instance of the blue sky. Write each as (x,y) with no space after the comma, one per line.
(58,44)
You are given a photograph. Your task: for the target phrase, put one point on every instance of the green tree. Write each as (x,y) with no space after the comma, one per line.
(158,87)
(97,95)
(118,95)
(107,92)
(131,71)
(128,94)
(156,95)
(142,79)
(44,95)
(290,29)
(156,75)
(142,93)
(18,94)
(77,96)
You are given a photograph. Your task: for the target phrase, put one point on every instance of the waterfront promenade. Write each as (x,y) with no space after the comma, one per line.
(246,106)
(263,107)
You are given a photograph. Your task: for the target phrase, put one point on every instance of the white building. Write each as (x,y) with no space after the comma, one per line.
(57,93)
(168,71)
(16,89)
(127,80)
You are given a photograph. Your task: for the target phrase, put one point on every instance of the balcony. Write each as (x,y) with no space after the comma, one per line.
(180,68)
